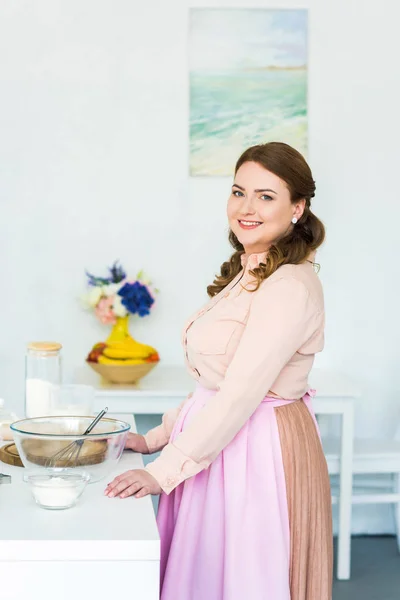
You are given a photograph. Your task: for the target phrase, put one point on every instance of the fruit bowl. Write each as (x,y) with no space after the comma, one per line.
(122,373)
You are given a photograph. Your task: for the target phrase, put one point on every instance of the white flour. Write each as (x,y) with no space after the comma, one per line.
(55,493)
(38,398)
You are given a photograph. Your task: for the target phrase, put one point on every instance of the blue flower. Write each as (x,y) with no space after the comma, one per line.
(136,298)
(117,274)
(97,281)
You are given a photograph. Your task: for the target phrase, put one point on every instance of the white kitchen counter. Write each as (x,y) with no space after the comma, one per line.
(101,547)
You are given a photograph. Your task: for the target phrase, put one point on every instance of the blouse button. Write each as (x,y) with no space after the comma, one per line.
(171,481)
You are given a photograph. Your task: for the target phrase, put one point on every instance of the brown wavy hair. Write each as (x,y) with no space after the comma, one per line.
(295,246)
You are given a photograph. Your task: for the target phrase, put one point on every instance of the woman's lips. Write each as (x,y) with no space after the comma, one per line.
(249,224)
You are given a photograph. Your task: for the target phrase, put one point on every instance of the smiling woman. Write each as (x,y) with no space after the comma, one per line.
(245,507)
(265,209)
(270,209)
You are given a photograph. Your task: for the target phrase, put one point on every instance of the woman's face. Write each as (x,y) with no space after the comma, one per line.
(259,208)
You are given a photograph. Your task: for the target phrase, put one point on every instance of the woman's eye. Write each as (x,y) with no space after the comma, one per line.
(237,193)
(266,197)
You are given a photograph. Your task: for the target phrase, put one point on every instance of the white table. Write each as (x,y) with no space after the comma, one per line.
(101,548)
(166,386)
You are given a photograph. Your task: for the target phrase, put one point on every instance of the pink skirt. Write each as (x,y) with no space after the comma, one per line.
(257,523)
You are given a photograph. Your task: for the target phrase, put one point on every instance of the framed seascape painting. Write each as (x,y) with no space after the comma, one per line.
(248,84)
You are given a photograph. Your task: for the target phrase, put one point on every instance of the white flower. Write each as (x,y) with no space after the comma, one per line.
(118,308)
(143,278)
(111,289)
(92,297)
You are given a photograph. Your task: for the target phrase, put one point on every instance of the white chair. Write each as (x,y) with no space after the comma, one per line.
(370,457)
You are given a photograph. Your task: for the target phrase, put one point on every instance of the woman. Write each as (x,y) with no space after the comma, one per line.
(245,510)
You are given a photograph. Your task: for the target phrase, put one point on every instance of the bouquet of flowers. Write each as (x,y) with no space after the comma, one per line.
(114,296)
(113,299)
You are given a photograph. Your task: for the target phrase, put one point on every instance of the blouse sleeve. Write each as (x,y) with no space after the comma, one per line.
(282,318)
(158,437)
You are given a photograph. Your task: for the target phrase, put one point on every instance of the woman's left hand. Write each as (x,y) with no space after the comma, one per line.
(137,482)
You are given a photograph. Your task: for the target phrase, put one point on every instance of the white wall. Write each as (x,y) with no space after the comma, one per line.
(94,166)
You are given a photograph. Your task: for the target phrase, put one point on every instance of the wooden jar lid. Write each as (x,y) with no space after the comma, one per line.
(44,346)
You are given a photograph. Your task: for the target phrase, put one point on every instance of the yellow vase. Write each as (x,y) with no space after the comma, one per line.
(120,331)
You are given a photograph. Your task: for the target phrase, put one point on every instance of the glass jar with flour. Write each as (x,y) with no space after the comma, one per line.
(43,372)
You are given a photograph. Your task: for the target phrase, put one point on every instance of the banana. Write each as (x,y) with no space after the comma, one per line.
(104,360)
(128,348)
(123,353)
(132,345)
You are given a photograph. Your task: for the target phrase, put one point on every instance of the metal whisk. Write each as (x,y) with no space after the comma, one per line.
(70,454)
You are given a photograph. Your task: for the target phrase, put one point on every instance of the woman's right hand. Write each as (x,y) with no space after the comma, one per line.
(137,443)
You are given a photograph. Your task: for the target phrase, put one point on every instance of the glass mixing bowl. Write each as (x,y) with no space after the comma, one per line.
(57,442)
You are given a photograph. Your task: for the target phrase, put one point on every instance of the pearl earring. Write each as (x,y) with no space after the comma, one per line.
(294,220)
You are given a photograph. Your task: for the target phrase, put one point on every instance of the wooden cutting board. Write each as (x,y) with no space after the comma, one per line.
(38,452)
(93,453)
(9,455)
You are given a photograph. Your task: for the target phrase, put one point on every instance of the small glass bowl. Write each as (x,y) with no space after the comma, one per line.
(56,489)
(71,399)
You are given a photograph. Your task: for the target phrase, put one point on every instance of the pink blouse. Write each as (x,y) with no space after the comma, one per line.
(245,346)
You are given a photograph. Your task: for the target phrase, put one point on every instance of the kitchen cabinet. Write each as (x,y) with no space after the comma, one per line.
(102,548)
